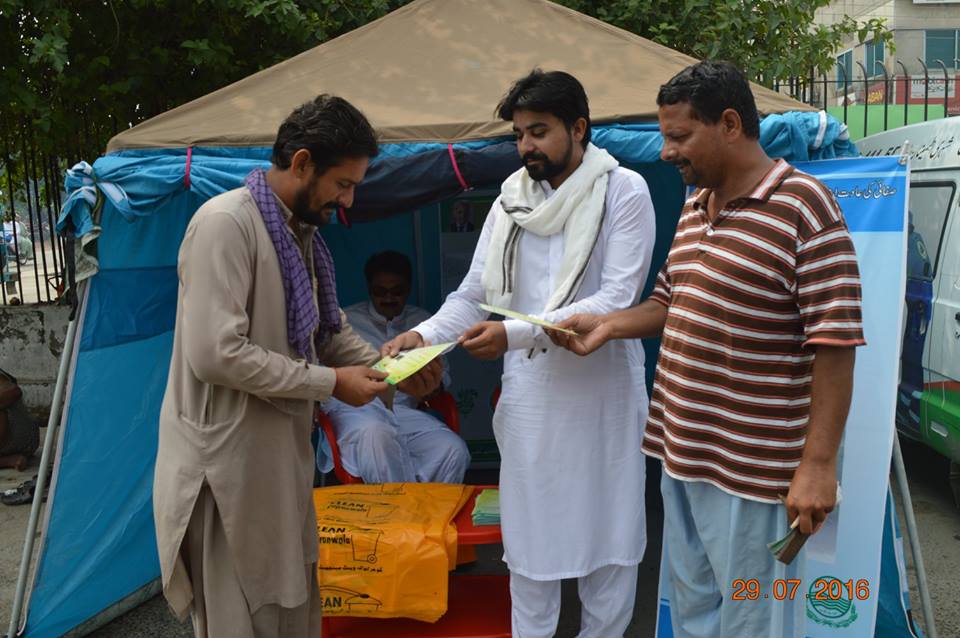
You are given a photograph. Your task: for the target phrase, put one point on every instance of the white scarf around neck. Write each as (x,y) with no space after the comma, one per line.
(576,208)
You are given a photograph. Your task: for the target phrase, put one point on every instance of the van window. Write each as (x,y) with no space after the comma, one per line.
(930,204)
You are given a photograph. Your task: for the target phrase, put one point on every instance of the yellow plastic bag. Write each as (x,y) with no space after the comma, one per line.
(385,550)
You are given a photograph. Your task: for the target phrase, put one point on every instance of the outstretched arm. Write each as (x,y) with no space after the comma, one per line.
(460,310)
(639,322)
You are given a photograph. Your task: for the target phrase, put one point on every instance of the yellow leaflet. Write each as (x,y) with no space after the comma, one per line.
(534,320)
(408,362)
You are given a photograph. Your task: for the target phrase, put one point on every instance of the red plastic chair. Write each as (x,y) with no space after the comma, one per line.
(442,402)
(495,397)
(478,606)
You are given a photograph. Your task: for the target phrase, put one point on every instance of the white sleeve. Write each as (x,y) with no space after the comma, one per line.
(461,310)
(521,335)
(419,315)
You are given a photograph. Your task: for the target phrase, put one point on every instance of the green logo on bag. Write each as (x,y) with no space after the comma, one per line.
(828,603)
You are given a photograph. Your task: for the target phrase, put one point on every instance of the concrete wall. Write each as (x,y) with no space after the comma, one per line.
(859,9)
(910,15)
(910,46)
(910,24)
(899,14)
(31,341)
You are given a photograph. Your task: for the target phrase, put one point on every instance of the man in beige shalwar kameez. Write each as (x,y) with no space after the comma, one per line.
(259,338)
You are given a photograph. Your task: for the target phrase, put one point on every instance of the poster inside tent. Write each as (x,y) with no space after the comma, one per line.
(474,382)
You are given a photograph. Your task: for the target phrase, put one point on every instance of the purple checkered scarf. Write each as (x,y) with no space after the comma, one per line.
(303,320)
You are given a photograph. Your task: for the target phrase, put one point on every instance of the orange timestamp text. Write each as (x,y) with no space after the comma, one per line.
(789,589)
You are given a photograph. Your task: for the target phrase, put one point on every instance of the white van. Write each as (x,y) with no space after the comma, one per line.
(929,397)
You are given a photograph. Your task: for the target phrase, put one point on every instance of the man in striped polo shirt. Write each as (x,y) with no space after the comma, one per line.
(758,305)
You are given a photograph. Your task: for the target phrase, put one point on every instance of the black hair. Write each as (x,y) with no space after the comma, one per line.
(710,88)
(389,261)
(554,92)
(330,128)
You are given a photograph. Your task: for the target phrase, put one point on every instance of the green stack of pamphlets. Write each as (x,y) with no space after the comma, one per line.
(787,548)
(486,511)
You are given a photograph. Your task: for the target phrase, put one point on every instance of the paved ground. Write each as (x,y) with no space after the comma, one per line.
(13,526)
(938,518)
(37,277)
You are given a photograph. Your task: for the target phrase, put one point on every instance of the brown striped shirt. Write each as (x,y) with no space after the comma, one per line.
(747,297)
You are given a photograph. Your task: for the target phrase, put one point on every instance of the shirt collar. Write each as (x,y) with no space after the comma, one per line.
(379,319)
(375,316)
(771,181)
(303,232)
(287,213)
(761,192)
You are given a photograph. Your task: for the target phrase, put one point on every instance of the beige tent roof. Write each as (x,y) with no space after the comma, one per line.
(433,71)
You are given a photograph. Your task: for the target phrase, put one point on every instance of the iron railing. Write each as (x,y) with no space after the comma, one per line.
(32,260)
(895,98)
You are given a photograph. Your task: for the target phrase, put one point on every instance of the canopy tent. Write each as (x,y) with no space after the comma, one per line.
(433,71)
(428,76)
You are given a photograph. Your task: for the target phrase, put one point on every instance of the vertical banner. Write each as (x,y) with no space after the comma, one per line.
(841,583)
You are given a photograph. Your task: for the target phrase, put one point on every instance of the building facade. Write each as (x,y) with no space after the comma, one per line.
(920,68)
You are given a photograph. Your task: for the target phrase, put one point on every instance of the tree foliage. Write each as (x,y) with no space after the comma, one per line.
(74,72)
(770,39)
(79,70)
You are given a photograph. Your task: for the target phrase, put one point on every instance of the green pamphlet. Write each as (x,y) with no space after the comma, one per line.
(787,548)
(486,510)
(409,362)
(534,320)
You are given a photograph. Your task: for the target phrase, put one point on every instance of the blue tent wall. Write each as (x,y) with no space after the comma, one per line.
(99,545)
(352,246)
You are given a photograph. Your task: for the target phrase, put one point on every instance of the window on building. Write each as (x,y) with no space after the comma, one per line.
(844,69)
(874,56)
(941,44)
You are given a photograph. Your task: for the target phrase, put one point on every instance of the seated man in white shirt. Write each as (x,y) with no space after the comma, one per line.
(406,445)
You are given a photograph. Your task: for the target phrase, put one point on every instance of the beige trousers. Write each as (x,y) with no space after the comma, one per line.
(219,608)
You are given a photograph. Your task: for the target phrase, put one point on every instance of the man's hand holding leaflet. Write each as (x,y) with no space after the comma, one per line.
(408,362)
(527,318)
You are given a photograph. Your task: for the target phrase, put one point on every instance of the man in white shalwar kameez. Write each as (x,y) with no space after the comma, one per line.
(571,232)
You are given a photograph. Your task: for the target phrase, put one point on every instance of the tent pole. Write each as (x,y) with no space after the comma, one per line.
(418,248)
(55,407)
(900,476)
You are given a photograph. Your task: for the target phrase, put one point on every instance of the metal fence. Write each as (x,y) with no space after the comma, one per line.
(32,256)
(32,259)
(871,102)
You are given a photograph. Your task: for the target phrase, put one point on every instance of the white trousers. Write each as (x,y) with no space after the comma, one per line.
(606,597)
(403,446)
